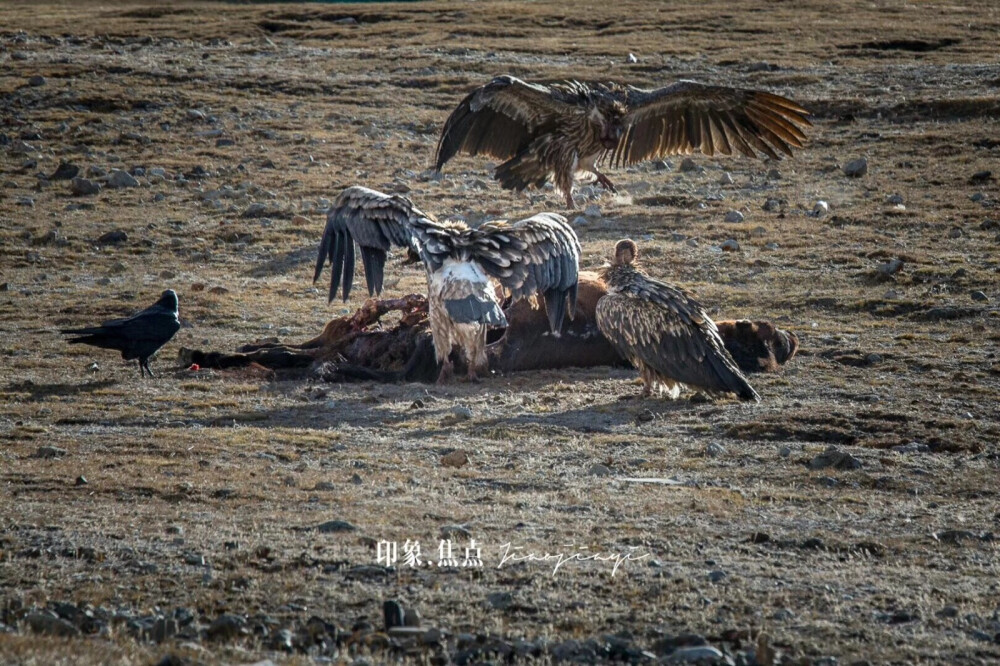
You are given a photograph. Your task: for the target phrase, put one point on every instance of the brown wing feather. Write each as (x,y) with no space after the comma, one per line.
(667,331)
(500,119)
(686,117)
(540,254)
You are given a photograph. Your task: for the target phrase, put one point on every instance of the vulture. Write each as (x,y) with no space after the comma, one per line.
(551,132)
(539,256)
(137,337)
(664,332)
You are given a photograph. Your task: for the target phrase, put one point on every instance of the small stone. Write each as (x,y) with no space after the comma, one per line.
(226,627)
(334,526)
(911,447)
(255,210)
(36,81)
(955,232)
(597,469)
(195,114)
(356,479)
(714,450)
(43,623)
(81,480)
(26,201)
(580,221)
(771,205)
(856,168)
(891,295)
(979,296)
(895,199)
(50,452)
(730,246)
(631,59)
(726,179)
(411,618)
(771,246)
(392,612)
(65,171)
(948,612)
(981,176)
(977,197)
(784,451)
(820,209)
(834,457)
(324,486)
(734,216)
(688,165)
(82,187)
(890,267)
(121,179)
(112,237)
(717,575)
(592,210)
(698,654)
(457,458)
(500,600)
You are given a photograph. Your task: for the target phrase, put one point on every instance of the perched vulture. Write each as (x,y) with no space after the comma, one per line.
(551,132)
(539,255)
(664,332)
(137,337)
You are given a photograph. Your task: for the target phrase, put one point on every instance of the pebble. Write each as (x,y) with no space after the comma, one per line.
(255,210)
(356,479)
(911,447)
(411,618)
(500,600)
(592,210)
(699,654)
(688,165)
(113,237)
(225,627)
(392,611)
(784,451)
(717,575)
(834,457)
(726,179)
(43,623)
(121,179)
(771,205)
(597,469)
(580,221)
(324,486)
(50,452)
(895,199)
(820,209)
(734,216)
(81,480)
(457,458)
(730,246)
(82,187)
(26,201)
(195,114)
(981,176)
(979,296)
(39,80)
(714,450)
(977,197)
(65,171)
(771,246)
(856,168)
(955,232)
(631,59)
(333,526)
(94,171)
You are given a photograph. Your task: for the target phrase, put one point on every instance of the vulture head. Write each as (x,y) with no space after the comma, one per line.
(608,117)
(626,253)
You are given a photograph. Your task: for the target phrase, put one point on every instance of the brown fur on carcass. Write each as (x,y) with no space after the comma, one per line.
(349,348)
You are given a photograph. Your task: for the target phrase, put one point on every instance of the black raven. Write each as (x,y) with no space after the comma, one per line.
(138,336)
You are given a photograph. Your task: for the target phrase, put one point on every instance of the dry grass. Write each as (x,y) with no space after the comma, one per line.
(313,105)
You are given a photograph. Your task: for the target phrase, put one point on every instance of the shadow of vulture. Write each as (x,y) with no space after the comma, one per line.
(350,349)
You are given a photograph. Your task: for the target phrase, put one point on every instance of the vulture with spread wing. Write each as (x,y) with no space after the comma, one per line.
(551,132)
(538,255)
(664,332)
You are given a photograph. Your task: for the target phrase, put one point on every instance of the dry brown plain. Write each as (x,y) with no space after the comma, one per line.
(204,490)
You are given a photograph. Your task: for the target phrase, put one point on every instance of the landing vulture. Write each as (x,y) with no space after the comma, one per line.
(551,132)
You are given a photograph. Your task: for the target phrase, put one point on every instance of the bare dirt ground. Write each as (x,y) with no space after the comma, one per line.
(196,533)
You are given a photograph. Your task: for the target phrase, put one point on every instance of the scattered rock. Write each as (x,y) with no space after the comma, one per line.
(979,296)
(717,575)
(49,452)
(38,80)
(44,623)
(112,237)
(981,176)
(726,179)
(734,216)
(955,232)
(700,654)
(730,246)
(226,627)
(856,168)
(334,526)
(631,59)
(597,469)
(392,611)
(457,458)
(714,450)
(83,187)
(500,600)
(255,210)
(911,447)
(65,171)
(890,268)
(771,205)
(895,199)
(411,618)
(835,458)
(688,165)
(820,209)
(121,179)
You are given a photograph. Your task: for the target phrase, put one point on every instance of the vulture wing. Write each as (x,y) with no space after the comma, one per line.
(686,117)
(377,222)
(670,333)
(501,118)
(540,254)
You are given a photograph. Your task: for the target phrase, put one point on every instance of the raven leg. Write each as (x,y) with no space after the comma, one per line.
(447,371)
(144,363)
